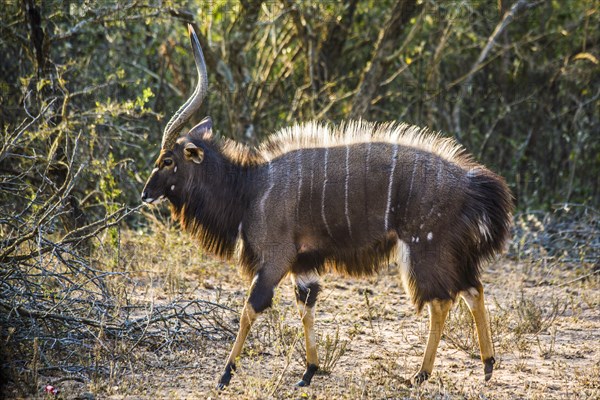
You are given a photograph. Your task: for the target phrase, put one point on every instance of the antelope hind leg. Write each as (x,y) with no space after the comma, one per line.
(307,288)
(475,300)
(438,311)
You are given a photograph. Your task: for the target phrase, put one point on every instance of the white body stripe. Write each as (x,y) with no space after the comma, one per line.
(323,191)
(312,179)
(438,178)
(390,184)
(412,181)
(438,181)
(368,161)
(263,200)
(299,194)
(346,207)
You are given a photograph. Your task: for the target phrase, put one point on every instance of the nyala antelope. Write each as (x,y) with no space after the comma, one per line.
(345,199)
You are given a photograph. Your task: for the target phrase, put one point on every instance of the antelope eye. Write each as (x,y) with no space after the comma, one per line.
(167,162)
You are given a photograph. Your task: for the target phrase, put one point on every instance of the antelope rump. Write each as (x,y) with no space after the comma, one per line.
(347,199)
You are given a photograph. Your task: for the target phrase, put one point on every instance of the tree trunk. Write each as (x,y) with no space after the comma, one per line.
(388,39)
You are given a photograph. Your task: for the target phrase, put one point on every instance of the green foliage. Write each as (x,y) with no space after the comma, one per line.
(104,77)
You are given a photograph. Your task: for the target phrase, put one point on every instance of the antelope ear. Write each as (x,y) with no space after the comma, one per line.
(191,152)
(203,129)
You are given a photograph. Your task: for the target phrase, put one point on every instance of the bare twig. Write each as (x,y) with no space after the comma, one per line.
(12,139)
(477,65)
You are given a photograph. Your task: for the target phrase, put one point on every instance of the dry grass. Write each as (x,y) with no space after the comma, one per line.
(544,304)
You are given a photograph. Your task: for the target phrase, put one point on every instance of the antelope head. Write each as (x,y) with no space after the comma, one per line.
(178,156)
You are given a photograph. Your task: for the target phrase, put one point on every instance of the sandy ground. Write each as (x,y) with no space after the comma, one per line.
(545,322)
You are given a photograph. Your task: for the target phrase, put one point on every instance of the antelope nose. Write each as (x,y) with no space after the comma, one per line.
(144,195)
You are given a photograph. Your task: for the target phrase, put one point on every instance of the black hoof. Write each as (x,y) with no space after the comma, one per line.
(308,375)
(226,377)
(420,377)
(488,368)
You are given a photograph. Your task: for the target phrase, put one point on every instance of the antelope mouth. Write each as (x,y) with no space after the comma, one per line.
(158,200)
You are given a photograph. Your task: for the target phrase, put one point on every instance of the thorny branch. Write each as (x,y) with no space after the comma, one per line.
(56,302)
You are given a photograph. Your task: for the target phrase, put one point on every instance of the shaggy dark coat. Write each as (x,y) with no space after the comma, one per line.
(321,198)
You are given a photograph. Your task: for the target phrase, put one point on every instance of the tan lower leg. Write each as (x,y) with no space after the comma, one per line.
(438,310)
(475,300)
(308,321)
(246,320)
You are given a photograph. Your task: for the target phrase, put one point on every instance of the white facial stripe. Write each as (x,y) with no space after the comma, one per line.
(172,187)
(175,169)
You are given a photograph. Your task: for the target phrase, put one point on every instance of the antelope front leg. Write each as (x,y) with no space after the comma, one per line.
(261,297)
(438,311)
(307,288)
(246,320)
